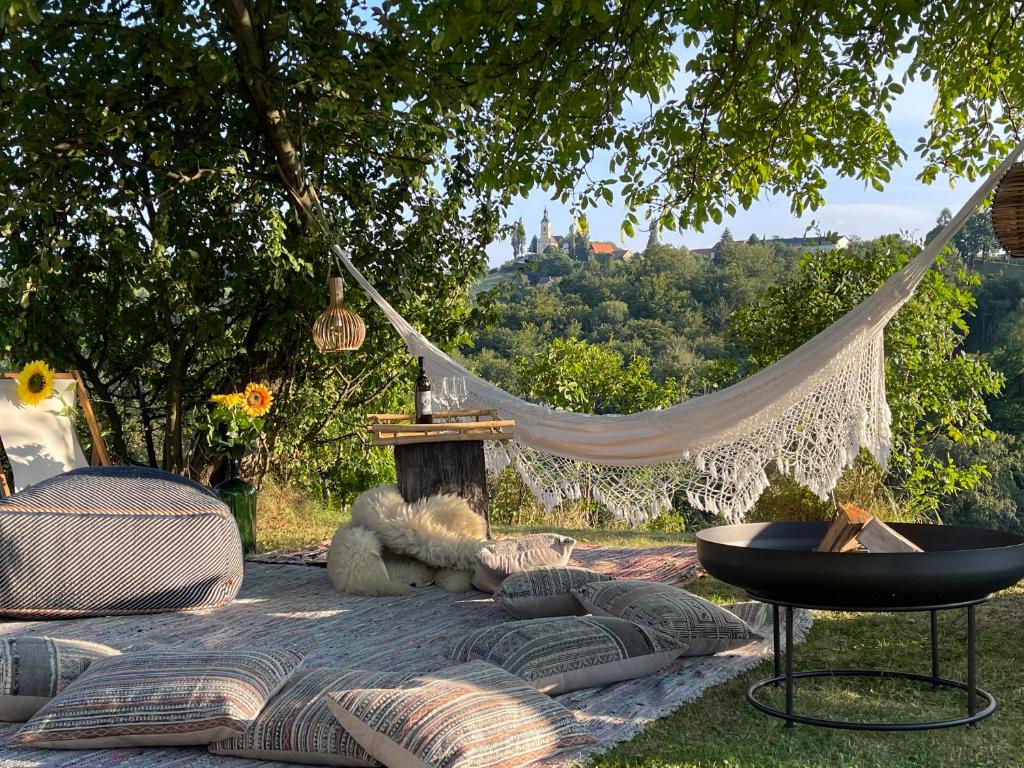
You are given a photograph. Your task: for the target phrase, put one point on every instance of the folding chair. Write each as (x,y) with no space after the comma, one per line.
(40,440)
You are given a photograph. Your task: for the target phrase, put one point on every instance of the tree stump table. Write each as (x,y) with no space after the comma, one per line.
(446,456)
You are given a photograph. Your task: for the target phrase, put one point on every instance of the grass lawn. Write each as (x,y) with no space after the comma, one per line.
(720,730)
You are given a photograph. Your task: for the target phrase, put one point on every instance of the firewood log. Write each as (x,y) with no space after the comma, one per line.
(856,530)
(842,533)
(876,536)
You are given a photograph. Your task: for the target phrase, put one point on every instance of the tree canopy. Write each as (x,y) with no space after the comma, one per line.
(164,163)
(975,241)
(739,99)
(156,220)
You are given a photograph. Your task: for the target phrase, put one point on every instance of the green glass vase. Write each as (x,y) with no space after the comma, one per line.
(240,496)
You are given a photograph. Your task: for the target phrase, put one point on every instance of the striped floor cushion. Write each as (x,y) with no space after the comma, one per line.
(163,697)
(116,540)
(297,726)
(703,627)
(566,653)
(468,716)
(543,592)
(35,669)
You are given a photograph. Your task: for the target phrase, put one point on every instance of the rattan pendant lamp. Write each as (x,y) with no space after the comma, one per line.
(1008,211)
(338,329)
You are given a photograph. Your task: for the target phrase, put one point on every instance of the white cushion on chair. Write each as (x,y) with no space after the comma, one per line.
(39,439)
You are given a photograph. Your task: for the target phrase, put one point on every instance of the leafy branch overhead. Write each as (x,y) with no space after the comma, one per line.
(700,107)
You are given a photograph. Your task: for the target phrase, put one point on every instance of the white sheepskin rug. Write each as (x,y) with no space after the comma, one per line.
(390,546)
(441,530)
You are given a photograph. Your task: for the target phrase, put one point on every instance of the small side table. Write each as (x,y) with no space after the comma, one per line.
(446,456)
(788,677)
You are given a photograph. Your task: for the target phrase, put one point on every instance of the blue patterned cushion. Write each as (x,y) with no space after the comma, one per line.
(704,627)
(543,592)
(562,654)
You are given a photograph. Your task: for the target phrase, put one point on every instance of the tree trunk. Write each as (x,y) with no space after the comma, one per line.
(174,455)
(426,469)
(147,424)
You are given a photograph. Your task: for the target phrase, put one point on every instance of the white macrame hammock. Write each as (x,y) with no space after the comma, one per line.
(810,414)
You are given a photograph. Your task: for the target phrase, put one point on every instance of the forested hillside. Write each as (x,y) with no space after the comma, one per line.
(613,335)
(666,307)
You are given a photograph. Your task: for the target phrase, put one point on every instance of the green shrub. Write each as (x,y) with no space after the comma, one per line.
(785,499)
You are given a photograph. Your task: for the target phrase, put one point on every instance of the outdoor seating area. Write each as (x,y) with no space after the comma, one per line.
(125,594)
(295,608)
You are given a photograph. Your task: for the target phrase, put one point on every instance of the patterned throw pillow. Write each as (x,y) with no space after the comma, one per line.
(468,716)
(497,560)
(543,592)
(563,654)
(704,627)
(35,669)
(164,697)
(297,726)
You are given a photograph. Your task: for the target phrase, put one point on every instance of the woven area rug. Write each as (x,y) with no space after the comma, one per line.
(296,607)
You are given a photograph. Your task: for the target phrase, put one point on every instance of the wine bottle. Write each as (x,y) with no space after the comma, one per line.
(424,411)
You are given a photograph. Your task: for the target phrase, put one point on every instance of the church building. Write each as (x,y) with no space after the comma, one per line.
(544,239)
(599,248)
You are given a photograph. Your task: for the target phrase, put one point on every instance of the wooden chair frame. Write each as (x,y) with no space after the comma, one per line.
(99,456)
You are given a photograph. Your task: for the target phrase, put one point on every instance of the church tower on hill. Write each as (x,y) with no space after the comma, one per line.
(544,240)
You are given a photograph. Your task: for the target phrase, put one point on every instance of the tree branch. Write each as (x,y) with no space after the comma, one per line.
(251,62)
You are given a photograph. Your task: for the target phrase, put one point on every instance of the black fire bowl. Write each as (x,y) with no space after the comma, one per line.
(776,562)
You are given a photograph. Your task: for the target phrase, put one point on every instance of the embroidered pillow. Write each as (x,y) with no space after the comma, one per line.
(563,654)
(543,592)
(297,726)
(704,627)
(35,669)
(468,716)
(497,560)
(164,697)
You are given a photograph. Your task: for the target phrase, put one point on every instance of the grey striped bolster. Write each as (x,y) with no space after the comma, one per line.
(35,669)
(43,666)
(116,540)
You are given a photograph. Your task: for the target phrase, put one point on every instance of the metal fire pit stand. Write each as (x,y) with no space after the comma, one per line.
(974,693)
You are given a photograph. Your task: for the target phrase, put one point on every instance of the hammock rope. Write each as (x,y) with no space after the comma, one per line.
(810,413)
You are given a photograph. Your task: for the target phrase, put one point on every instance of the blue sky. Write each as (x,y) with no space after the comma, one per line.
(906,205)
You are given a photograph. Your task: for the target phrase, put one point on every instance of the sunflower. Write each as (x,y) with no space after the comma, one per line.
(35,384)
(231,400)
(257,400)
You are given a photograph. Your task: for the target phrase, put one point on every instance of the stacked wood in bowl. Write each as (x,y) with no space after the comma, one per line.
(856,530)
